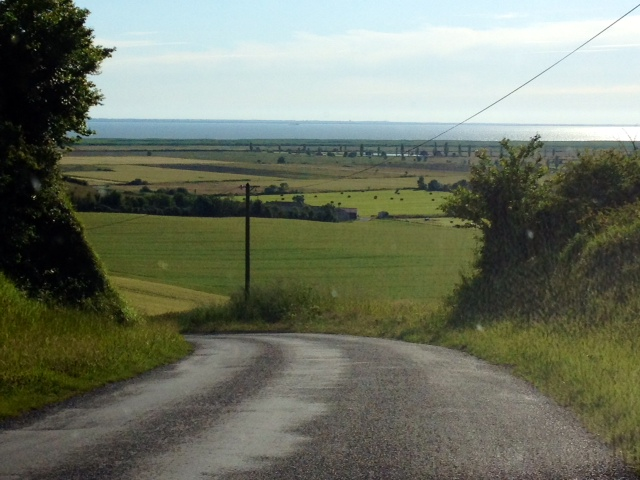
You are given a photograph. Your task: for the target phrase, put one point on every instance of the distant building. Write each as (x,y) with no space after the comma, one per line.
(347,214)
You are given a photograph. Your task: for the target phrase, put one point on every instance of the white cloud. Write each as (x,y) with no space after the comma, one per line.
(142,43)
(373,48)
(435,73)
(508,16)
(139,34)
(610,48)
(590,90)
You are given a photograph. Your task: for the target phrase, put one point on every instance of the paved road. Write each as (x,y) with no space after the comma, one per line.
(308,407)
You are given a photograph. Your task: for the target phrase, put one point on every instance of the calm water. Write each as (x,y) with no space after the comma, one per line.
(236,130)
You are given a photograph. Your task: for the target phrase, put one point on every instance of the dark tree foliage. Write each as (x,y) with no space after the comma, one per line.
(523,215)
(504,201)
(597,182)
(179,202)
(435,186)
(46,56)
(47,53)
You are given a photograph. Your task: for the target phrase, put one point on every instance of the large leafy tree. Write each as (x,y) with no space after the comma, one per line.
(47,55)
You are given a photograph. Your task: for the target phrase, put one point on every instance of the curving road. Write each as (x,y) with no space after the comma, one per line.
(308,407)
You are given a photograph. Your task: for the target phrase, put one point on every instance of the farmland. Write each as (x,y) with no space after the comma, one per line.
(223,172)
(377,259)
(306,166)
(373,259)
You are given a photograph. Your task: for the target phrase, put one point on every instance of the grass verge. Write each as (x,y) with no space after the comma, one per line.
(49,354)
(591,369)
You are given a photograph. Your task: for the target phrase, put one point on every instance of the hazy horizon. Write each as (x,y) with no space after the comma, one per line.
(293,120)
(352,130)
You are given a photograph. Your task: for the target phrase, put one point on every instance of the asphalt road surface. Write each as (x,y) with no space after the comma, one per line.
(308,407)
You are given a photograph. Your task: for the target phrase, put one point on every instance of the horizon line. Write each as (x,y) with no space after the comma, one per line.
(293,121)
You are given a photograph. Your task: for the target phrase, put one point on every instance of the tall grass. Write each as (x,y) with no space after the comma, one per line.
(290,306)
(593,370)
(48,354)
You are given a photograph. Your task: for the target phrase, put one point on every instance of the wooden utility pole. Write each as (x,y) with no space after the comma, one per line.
(247,240)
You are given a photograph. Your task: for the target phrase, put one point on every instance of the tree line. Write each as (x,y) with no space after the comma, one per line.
(180,202)
(436,186)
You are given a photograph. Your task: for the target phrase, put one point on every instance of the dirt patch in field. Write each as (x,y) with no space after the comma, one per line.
(252,171)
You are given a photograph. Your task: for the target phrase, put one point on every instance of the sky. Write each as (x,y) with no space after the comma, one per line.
(364,60)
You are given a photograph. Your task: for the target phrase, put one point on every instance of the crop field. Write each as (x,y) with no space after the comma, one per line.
(212,171)
(104,159)
(122,174)
(376,259)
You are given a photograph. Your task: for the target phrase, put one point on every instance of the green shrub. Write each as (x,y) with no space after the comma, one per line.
(283,302)
(596,183)
(278,302)
(504,200)
(523,214)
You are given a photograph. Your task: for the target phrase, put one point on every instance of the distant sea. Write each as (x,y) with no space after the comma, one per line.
(276,129)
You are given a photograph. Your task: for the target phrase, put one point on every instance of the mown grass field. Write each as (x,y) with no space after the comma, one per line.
(376,259)
(416,203)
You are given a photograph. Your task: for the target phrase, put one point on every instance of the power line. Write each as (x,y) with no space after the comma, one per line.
(533,78)
(416,147)
(126,220)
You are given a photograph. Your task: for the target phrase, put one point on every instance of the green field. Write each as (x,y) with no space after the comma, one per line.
(376,259)
(387,260)
(417,203)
